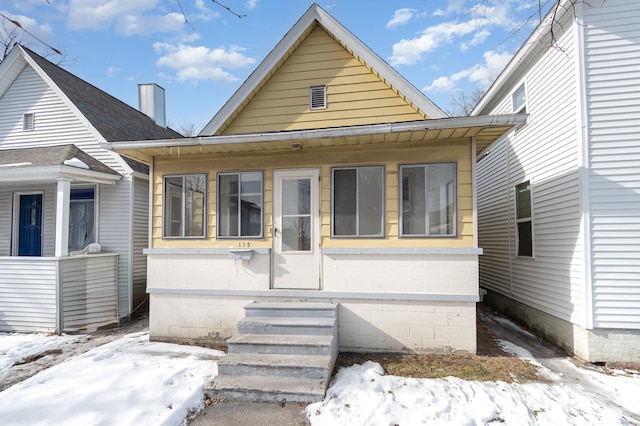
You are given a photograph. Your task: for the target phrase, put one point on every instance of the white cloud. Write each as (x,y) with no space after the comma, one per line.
(478,27)
(201,63)
(481,75)
(128,17)
(251,4)
(112,70)
(408,52)
(400,17)
(42,31)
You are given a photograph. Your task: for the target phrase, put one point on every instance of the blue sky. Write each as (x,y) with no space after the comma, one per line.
(440,46)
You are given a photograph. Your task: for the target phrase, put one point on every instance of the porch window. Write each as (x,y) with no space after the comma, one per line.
(357,202)
(185,205)
(240,205)
(428,200)
(524,224)
(82,218)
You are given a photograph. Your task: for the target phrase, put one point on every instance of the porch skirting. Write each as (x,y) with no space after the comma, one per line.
(419,301)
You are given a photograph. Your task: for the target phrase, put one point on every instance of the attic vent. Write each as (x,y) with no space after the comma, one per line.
(318,97)
(27,121)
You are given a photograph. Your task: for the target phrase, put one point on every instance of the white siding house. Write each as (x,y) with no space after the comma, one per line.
(559,198)
(61,191)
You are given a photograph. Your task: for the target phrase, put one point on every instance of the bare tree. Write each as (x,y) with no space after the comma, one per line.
(188,129)
(461,103)
(9,36)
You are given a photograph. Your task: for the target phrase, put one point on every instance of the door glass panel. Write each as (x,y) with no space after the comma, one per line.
(296,233)
(296,214)
(295,196)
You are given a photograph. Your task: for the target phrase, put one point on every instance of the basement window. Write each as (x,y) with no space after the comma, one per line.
(27,121)
(318,97)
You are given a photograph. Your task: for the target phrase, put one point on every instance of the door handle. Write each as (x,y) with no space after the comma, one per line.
(275,232)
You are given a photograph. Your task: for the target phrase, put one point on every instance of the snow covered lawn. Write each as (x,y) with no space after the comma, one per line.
(132,381)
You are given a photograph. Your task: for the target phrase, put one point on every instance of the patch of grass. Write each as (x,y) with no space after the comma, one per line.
(32,358)
(490,364)
(436,366)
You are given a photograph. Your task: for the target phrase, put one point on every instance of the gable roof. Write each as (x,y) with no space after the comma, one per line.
(112,118)
(314,16)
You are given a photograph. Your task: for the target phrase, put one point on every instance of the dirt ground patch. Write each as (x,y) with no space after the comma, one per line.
(490,363)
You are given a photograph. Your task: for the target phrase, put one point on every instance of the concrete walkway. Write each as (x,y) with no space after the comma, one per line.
(251,414)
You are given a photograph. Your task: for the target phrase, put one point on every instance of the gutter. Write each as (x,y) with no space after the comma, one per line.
(297,135)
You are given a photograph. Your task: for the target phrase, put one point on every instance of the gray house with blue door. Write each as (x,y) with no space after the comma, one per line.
(73,215)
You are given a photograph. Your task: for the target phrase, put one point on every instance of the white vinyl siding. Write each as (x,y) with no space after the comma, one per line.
(27,295)
(57,123)
(113,235)
(547,150)
(140,239)
(612,72)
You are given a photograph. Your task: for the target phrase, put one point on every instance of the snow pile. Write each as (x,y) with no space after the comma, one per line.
(363,395)
(128,381)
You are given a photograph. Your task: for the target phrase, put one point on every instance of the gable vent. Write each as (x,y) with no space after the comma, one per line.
(318,97)
(27,121)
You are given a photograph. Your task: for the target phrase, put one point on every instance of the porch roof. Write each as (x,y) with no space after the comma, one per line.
(485,129)
(45,164)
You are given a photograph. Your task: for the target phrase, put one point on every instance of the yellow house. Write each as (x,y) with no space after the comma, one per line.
(326,177)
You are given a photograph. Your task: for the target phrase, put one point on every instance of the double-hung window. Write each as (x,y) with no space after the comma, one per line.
(240,205)
(82,218)
(185,204)
(428,200)
(357,202)
(524,224)
(519,101)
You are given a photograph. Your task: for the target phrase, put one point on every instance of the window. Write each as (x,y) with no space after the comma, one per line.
(240,205)
(28,121)
(428,200)
(523,219)
(185,205)
(358,202)
(318,97)
(519,99)
(82,218)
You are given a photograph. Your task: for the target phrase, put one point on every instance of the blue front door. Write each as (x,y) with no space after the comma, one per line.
(30,228)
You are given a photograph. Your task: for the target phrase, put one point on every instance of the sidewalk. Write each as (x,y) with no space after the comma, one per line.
(251,414)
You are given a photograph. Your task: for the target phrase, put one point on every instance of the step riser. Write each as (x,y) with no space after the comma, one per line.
(278,349)
(288,313)
(288,330)
(278,371)
(262,396)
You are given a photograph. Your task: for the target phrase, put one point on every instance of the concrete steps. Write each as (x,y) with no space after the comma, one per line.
(283,351)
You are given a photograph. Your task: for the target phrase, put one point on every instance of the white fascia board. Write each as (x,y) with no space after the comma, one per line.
(298,135)
(316,13)
(51,173)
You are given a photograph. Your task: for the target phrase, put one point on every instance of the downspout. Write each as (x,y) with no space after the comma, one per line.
(584,168)
(132,197)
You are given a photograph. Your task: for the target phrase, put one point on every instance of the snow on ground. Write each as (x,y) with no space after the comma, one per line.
(132,381)
(15,347)
(128,381)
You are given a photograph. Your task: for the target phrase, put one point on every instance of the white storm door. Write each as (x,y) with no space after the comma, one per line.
(296,229)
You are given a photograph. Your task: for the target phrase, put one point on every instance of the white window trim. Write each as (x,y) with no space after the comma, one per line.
(96,210)
(15,226)
(530,219)
(455,202)
(262,207)
(182,225)
(384,202)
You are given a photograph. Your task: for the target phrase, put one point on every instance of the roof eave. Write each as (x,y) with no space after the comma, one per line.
(52,173)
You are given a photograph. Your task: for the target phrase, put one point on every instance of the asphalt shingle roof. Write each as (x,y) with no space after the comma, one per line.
(51,156)
(115,120)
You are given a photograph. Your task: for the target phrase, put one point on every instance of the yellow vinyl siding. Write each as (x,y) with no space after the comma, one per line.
(388,155)
(355,94)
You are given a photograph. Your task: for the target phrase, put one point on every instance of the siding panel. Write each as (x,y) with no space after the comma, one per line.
(612,44)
